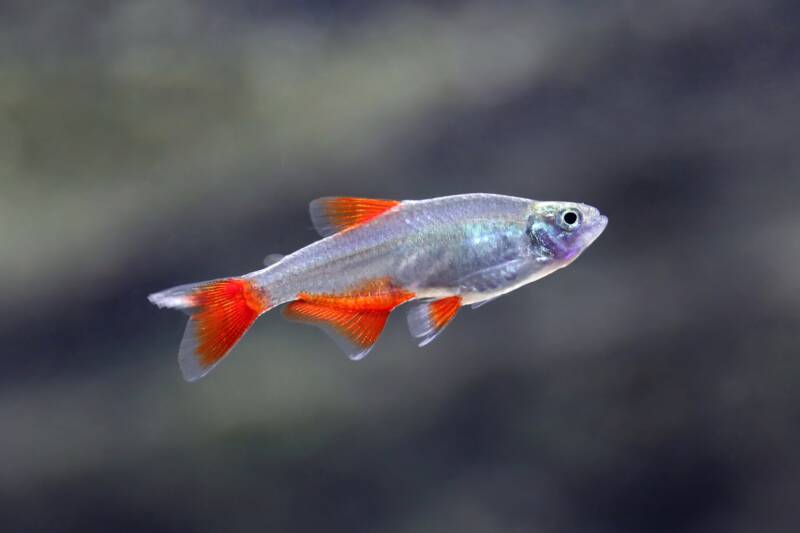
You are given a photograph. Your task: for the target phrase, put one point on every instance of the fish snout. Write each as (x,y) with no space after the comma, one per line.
(594,224)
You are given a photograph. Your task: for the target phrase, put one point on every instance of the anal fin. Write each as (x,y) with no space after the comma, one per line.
(353,318)
(427,320)
(354,331)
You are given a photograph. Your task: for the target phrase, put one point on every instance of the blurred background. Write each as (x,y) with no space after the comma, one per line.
(653,386)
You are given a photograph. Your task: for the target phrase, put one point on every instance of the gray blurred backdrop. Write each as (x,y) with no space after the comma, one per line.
(653,386)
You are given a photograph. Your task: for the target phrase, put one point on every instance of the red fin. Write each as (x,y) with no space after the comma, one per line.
(428,319)
(374,295)
(334,214)
(221,313)
(354,331)
(443,311)
(354,319)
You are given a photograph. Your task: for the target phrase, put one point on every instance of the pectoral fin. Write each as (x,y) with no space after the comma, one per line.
(484,302)
(427,319)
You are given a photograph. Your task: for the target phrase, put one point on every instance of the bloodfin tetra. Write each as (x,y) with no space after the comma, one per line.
(375,255)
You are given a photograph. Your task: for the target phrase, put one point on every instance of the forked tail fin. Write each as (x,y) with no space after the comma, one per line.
(220,312)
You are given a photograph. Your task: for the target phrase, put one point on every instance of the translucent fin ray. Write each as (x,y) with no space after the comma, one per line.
(484,302)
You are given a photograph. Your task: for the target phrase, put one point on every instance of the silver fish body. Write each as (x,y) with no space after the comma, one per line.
(477,246)
(376,255)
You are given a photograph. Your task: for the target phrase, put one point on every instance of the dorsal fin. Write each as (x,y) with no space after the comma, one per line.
(427,319)
(334,214)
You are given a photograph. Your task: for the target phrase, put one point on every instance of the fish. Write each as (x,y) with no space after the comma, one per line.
(436,256)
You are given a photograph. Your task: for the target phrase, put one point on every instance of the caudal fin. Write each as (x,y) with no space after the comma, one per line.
(220,312)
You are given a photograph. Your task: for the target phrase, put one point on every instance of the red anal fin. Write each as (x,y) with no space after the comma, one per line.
(221,312)
(426,320)
(333,214)
(374,295)
(355,332)
(354,319)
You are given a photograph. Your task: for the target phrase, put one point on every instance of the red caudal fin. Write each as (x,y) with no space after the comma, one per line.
(220,312)
(354,319)
(333,214)
(426,320)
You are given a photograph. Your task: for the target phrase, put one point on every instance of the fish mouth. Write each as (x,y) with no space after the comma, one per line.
(602,222)
(597,224)
(597,228)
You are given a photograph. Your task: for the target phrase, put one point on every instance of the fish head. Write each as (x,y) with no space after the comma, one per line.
(561,231)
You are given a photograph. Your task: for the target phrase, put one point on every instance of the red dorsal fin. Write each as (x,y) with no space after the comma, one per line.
(428,319)
(333,214)
(354,319)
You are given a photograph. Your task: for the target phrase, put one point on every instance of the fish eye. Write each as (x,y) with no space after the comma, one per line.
(569,219)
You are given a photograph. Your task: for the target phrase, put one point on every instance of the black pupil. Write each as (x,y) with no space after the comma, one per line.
(570,217)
